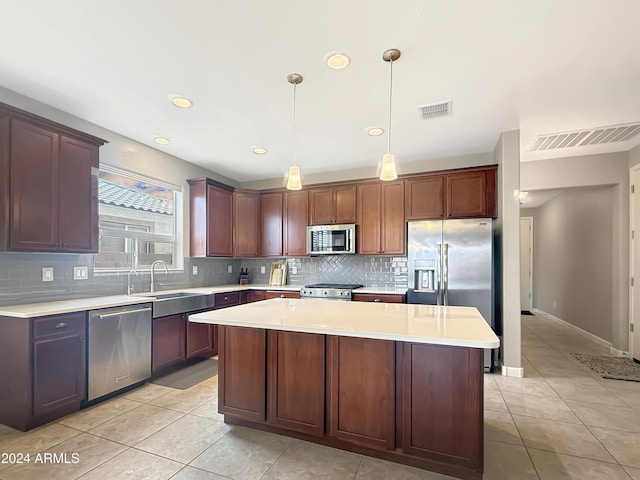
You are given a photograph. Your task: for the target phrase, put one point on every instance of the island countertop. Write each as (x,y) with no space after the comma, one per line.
(430,324)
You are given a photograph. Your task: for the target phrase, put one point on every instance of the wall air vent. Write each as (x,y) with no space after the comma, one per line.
(434,110)
(581,138)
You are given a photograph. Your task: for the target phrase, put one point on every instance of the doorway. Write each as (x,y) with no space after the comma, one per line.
(526,263)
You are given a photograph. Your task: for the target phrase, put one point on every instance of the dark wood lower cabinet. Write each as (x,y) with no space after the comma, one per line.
(167,341)
(200,340)
(442,411)
(361,391)
(417,404)
(242,372)
(296,366)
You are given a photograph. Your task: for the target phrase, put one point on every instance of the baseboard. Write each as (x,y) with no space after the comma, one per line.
(619,353)
(512,371)
(596,338)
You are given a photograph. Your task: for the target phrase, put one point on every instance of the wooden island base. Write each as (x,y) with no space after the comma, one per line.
(412,403)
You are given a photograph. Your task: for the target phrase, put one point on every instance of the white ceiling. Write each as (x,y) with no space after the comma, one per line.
(542,66)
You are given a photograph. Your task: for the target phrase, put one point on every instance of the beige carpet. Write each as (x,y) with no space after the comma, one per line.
(618,368)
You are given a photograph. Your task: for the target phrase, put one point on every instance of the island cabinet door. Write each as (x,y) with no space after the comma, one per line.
(242,372)
(361,391)
(297,381)
(442,403)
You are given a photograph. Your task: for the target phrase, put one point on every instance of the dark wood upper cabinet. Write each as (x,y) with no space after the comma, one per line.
(296,219)
(49,198)
(425,198)
(470,193)
(381,224)
(211,226)
(332,205)
(246,224)
(271,205)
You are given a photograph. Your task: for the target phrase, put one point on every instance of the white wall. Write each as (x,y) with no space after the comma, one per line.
(507,154)
(592,170)
(122,152)
(634,156)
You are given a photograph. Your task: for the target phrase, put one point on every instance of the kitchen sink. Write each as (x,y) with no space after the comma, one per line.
(179,302)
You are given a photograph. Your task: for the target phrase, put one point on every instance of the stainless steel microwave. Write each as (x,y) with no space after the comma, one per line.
(331,239)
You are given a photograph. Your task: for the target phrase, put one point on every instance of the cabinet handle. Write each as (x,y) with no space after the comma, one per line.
(61,325)
(226,298)
(376,299)
(282,295)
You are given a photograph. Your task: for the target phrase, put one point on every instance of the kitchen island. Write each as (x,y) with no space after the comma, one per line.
(394,381)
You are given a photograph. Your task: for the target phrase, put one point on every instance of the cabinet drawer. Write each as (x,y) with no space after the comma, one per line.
(59,324)
(226,299)
(281,294)
(384,298)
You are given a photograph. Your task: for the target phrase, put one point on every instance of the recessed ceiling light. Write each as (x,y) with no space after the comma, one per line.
(162,140)
(259,150)
(374,131)
(179,101)
(337,60)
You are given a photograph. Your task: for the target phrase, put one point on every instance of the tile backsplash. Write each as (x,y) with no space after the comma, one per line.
(21,275)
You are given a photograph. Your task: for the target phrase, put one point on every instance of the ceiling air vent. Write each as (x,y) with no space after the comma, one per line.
(434,110)
(581,138)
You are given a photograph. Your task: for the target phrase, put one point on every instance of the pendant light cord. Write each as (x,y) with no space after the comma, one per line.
(390,93)
(294,123)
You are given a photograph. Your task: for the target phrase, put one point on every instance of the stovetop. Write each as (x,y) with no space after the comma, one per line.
(346,286)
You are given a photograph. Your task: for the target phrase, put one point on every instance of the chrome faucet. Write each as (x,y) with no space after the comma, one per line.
(129,284)
(153,267)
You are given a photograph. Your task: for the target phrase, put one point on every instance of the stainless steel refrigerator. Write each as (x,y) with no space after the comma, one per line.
(451,263)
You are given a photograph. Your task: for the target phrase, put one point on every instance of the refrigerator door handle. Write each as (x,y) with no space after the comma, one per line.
(439,276)
(445,275)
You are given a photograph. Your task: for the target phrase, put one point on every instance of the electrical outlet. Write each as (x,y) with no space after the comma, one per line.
(47,274)
(80,273)
(194,270)
(263,269)
(554,304)
(229,268)
(294,270)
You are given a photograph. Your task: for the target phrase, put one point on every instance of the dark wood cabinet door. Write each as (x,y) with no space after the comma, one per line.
(296,219)
(296,381)
(59,372)
(34,188)
(321,206)
(378,298)
(168,341)
(361,391)
(271,224)
(199,340)
(442,403)
(466,195)
(219,222)
(345,204)
(425,198)
(255,295)
(242,372)
(394,228)
(246,224)
(369,226)
(280,294)
(78,207)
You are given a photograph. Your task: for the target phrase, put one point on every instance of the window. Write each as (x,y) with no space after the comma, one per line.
(139,219)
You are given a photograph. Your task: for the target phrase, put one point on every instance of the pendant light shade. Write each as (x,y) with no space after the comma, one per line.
(388,171)
(294,181)
(293,178)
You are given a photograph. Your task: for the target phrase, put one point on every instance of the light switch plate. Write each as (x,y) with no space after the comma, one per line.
(194,270)
(47,274)
(263,269)
(229,268)
(80,273)
(294,270)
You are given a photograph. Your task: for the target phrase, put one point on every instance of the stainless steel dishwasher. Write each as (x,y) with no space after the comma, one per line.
(119,352)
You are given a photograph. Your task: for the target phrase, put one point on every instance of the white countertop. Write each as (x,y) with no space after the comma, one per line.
(43,309)
(453,326)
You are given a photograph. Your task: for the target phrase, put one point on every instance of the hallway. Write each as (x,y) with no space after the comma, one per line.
(562,420)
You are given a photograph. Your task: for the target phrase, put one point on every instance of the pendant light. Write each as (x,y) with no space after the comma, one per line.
(388,171)
(294,182)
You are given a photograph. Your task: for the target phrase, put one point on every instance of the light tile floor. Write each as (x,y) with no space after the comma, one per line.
(561,421)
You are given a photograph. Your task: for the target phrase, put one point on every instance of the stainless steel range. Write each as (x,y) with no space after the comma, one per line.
(328,291)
